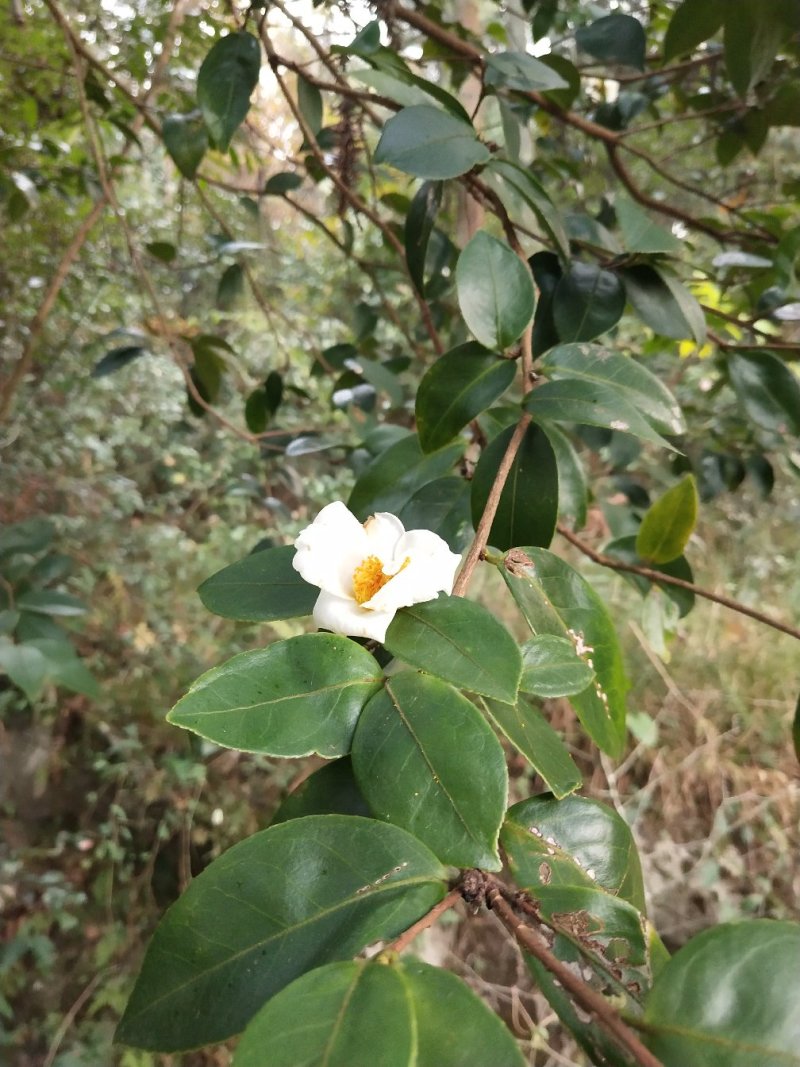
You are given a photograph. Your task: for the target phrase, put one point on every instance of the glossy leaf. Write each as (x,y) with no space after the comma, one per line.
(555,599)
(532,735)
(230,288)
(587,301)
(286,900)
(309,101)
(419,224)
(50,602)
(227,77)
(293,698)
(460,641)
(767,390)
(443,507)
(262,587)
(340,1015)
(532,193)
(285,181)
(186,139)
(753,38)
(25,665)
(639,232)
(668,524)
(605,366)
(495,291)
(547,273)
(728,998)
(528,507)
(664,303)
(459,386)
(117,358)
(518,70)
(390,481)
(693,22)
(426,760)
(332,790)
(573,490)
(624,548)
(429,143)
(551,667)
(614,39)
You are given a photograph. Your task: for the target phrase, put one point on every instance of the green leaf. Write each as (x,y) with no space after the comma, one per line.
(796,729)
(754,35)
(587,301)
(231,287)
(528,507)
(49,602)
(729,998)
(573,490)
(430,143)
(117,358)
(227,77)
(459,641)
(164,251)
(341,1015)
(614,39)
(426,760)
(25,665)
(63,666)
(664,304)
(693,22)
(293,698)
(459,386)
(286,900)
(532,193)
(30,536)
(407,89)
(262,587)
(419,224)
(639,233)
(668,524)
(533,736)
(8,620)
(547,273)
(285,181)
(601,365)
(767,390)
(309,101)
(443,507)
(555,599)
(518,70)
(495,291)
(454,1027)
(624,548)
(552,668)
(332,790)
(390,481)
(186,139)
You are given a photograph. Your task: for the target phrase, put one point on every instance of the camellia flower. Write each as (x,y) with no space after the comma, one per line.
(365,573)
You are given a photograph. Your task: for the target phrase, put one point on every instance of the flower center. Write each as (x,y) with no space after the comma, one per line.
(368,578)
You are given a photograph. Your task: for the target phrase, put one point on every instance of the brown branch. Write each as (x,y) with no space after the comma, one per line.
(478,546)
(667,579)
(587,998)
(405,939)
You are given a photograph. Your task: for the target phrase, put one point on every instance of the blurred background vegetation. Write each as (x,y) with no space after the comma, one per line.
(105,811)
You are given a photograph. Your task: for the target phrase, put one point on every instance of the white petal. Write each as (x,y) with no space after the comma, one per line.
(383,532)
(330,549)
(344,616)
(431,569)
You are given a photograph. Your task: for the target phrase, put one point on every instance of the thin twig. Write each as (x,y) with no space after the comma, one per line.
(405,939)
(667,579)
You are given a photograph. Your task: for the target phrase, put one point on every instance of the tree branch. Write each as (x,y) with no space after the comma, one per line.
(405,939)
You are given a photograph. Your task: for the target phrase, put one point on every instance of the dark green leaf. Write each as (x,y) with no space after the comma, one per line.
(495,291)
(614,39)
(262,587)
(551,667)
(419,223)
(231,287)
(555,599)
(639,232)
(286,900)
(63,666)
(293,698)
(547,273)
(528,507)
(693,22)
(186,140)
(664,304)
(286,181)
(163,250)
(729,998)
(668,524)
(332,790)
(29,536)
(532,735)
(256,414)
(49,602)
(25,665)
(518,70)
(767,390)
(534,195)
(430,143)
(443,507)
(459,386)
(8,620)
(309,101)
(425,759)
(459,641)
(116,359)
(390,481)
(587,301)
(624,548)
(573,490)
(227,77)
(753,37)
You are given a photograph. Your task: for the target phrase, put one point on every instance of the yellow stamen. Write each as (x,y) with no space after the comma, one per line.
(368,578)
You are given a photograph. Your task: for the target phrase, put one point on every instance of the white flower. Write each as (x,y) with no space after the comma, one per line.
(365,573)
